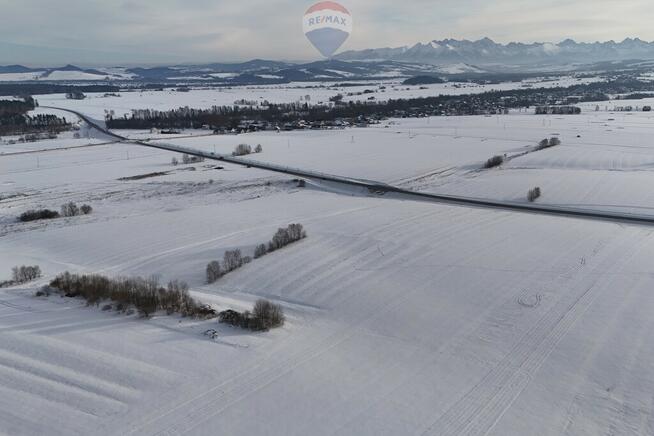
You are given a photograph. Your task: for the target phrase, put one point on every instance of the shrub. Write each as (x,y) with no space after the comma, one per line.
(533,194)
(45,291)
(242,150)
(146,295)
(24,274)
(187,159)
(214,272)
(69,209)
(546,143)
(258,148)
(267,315)
(264,316)
(494,161)
(42,214)
(174,161)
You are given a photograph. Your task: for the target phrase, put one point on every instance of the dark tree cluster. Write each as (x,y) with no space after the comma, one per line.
(51,88)
(263,317)
(282,238)
(494,161)
(38,214)
(16,107)
(547,143)
(146,295)
(15,121)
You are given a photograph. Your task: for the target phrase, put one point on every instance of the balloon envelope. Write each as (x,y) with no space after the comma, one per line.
(327,25)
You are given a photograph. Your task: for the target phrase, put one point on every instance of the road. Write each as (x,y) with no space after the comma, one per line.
(380,188)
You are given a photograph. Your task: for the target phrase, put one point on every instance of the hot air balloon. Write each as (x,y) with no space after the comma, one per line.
(327,25)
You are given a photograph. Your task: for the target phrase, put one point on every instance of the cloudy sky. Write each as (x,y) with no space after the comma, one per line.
(101,32)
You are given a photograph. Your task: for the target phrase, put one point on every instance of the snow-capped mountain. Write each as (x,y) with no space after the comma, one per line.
(487,52)
(252,72)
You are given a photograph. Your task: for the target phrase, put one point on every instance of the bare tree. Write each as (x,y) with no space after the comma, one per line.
(260,250)
(533,194)
(214,272)
(69,209)
(232,259)
(267,315)
(24,274)
(242,150)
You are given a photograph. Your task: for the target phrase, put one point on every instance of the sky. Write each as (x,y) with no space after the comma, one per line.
(147,32)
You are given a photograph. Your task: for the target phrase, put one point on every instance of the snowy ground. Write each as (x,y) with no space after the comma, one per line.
(403,317)
(96,103)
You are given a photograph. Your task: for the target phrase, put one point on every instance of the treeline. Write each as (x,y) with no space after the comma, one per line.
(16,107)
(147,296)
(48,88)
(15,121)
(29,124)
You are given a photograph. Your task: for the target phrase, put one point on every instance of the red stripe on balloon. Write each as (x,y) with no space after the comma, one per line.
(327,5)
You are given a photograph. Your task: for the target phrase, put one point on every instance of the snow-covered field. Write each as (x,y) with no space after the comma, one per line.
(96,103)
(403,317)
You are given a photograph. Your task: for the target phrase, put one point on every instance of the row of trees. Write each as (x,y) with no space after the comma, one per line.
(67,210)
(146,295)
(16,107)
(234,259)
(282,238)
(29,125)
(264,316)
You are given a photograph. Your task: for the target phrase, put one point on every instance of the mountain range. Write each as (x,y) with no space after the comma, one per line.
(449,57)
(488,52)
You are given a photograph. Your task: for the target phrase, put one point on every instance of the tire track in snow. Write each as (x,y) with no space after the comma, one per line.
(477,412)
(184,417)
